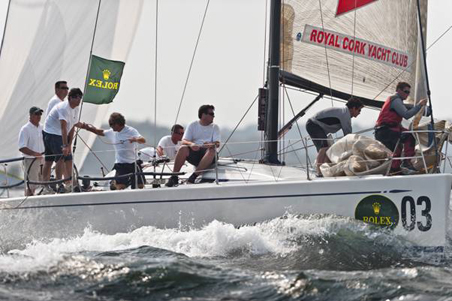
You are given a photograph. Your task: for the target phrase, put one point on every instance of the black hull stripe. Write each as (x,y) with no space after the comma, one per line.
(197,200)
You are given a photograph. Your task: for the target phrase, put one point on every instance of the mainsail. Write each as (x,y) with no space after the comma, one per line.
(46,41)
(364,51)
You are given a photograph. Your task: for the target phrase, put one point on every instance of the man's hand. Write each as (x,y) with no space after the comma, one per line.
(81,125)
(66,150)
(423,102)
(194,147)
(209,145)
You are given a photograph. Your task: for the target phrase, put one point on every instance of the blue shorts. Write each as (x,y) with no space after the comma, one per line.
(128,168)
(53,148)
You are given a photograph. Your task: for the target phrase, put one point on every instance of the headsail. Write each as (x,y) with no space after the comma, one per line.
(46,41)
(362,52)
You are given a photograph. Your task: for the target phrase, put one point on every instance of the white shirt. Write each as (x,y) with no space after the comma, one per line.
(199,134)
(52,102)
(169,148)
(62,111)
(30,136)
(125,151)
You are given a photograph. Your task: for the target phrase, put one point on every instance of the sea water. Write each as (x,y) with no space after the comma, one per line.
(287,258)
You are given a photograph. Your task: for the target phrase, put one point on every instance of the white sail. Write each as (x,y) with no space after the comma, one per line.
(46,41)
(363,52)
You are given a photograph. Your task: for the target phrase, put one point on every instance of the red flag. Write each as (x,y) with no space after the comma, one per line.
(348,5)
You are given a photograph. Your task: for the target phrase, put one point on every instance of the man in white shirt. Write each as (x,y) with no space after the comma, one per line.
(123,138)
(31,145)
(199,144)
(61,90)
(169,145)
(59,130)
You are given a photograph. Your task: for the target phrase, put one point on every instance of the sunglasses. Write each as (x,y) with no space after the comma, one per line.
(406,91)
(179,133)
(211,114)
(64,88)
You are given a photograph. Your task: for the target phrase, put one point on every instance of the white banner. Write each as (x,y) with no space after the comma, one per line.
(354,46)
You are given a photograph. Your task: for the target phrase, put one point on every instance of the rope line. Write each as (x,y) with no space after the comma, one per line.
(192,60)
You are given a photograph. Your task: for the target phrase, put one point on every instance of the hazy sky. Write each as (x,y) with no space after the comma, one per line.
(228,68)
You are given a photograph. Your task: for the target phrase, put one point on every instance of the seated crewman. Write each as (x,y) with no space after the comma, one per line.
(170,144)
(198,145)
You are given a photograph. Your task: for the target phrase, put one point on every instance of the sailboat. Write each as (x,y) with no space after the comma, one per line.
(329,47)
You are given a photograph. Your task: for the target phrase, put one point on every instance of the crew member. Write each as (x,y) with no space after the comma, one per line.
(330,121)
(388,129)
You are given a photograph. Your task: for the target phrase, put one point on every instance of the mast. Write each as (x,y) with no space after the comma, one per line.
(424,60)
(271,129)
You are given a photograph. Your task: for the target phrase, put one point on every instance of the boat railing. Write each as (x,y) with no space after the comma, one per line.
(440,135)
(305,149)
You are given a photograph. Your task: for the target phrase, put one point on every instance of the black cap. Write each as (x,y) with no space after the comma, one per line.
(34,110)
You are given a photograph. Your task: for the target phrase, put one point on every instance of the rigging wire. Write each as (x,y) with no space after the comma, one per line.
(296,122)
(326,56)
(409,66)
(192,60)
(88,70)
(238,124)
(265,44)
(4,28)
(156,69)
(353,53)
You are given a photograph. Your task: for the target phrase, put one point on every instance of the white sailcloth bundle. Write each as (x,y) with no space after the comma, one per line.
(355,155)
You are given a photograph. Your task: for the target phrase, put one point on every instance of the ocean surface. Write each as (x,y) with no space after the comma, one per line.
(287,258)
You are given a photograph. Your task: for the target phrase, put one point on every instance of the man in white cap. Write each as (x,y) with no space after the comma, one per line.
(31,145)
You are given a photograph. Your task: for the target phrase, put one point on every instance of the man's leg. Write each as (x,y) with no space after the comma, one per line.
(59,169)
(397,153)
(206,160)
(390,139)
(67,170)
(321,158)
(181,156)
(46,170)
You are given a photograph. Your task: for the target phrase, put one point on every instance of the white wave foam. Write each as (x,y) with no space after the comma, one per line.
(279,236)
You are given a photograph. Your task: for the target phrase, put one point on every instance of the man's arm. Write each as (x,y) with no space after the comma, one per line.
(400,108)
(190,144)
(66,148)
(139,139)
(159,151)
(29,152)
(91,128)
(346,127)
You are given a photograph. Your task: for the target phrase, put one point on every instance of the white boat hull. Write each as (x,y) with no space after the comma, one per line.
(421,202)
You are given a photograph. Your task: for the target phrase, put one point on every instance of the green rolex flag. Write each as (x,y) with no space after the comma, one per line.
(103,80)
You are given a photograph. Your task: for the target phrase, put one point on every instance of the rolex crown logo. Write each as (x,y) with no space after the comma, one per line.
(106,74)
(376,207)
